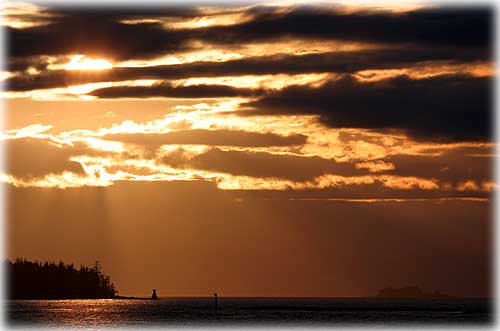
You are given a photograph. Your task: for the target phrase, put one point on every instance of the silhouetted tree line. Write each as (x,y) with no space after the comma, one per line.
(36,280)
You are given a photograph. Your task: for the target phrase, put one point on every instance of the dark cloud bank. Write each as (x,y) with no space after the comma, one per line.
(444,107)
(100,31)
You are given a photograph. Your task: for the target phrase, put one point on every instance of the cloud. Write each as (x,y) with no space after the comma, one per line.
(267,165)
(29,158)
(451,107)
(101,31)
(98,31)
(220,137)
(452,26)
(40,162)
(451,166)
(167,90)
(46,79)
(375,166)
(439,34)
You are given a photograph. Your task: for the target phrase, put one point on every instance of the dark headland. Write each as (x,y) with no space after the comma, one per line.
(42,281)
(34,280)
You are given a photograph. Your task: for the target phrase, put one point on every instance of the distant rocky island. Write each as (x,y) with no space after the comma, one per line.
(410,292)
(43,281)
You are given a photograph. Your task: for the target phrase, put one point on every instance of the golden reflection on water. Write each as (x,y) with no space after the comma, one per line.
(201,311)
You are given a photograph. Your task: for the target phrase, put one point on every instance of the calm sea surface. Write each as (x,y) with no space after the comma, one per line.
(247,312)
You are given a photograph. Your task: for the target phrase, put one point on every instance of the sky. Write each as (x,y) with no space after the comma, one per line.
(253,149)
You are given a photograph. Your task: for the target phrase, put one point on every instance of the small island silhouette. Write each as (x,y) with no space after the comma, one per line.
(410,292)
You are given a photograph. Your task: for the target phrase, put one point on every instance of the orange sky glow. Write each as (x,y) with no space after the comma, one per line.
(210,147)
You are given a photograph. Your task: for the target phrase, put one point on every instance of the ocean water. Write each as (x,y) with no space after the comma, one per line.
(201,312)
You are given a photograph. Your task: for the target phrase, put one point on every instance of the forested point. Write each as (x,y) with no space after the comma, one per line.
(37,280)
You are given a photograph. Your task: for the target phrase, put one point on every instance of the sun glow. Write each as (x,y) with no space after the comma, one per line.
(80,62)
